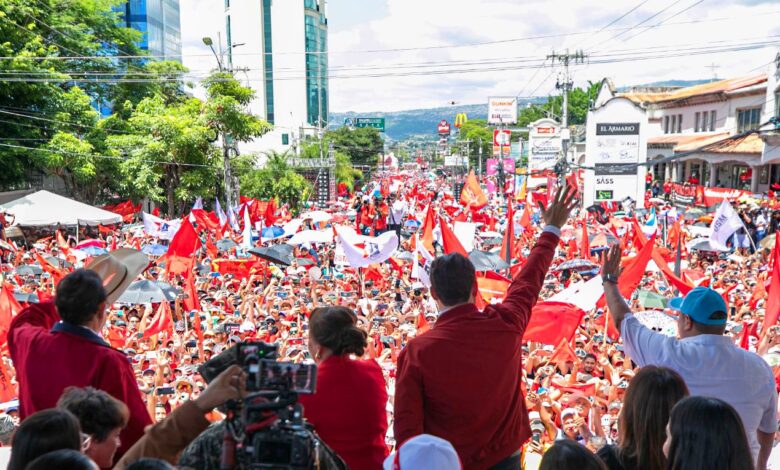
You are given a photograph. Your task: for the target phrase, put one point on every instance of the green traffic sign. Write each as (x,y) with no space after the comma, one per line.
(376,123)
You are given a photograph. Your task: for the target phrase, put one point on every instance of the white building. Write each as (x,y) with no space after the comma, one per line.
(279,48)
(771,153)
(695,123)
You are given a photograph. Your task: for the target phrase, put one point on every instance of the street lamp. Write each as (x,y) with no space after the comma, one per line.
(207,41)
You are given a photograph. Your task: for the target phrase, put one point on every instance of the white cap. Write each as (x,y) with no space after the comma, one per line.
(424,451)
(247,326)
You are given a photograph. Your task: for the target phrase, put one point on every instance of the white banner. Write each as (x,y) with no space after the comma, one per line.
(465,232)
(422,264)
(374,250)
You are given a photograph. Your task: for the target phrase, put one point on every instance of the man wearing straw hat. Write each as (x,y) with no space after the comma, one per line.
(58,344)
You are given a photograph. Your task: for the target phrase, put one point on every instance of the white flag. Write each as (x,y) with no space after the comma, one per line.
(220,213)
(422,264)
(160,228)
(247,241)
(198,203)
(724,224)
(375,249)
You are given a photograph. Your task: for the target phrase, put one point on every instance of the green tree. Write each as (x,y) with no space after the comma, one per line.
(345,172)
(168,155)
(363,145)
(276,179)
(38,34)
(477,130)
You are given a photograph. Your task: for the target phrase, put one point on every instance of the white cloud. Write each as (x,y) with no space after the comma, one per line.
(423,23)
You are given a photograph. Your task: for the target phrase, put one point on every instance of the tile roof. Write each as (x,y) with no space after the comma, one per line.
(682,139)
(751,143)
(721,86)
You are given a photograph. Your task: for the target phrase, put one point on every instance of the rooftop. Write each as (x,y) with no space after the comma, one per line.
(727,86)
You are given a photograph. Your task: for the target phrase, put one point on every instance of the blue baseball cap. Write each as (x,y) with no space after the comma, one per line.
(699,304)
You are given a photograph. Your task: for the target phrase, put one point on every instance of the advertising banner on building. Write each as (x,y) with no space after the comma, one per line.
(544,145)
(502,110)
(697,195)
(615,160)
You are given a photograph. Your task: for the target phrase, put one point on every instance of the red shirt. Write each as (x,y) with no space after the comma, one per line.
(48,360)
(348,410)
(461,380)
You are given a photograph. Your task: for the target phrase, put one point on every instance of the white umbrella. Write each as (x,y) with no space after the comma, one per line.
(311,236)
(317,216)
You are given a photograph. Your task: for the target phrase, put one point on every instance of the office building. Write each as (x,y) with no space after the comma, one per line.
(280,49)
(159,22)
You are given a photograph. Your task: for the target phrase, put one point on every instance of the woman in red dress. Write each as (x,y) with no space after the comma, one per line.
(348,409)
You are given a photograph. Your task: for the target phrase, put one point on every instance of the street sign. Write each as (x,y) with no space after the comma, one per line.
(444,127)
(374,123)
(502,141)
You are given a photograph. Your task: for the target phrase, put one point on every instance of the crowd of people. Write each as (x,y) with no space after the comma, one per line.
(426,359)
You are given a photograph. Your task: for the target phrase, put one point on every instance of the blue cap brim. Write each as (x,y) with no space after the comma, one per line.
(676,303)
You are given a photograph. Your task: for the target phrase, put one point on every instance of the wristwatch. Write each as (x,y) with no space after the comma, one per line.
(609,278)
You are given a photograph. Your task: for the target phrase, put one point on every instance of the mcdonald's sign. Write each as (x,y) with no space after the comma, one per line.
(460,119)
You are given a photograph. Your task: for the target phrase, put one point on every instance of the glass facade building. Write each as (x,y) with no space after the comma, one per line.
(159,22)
(316,43)
(268,61)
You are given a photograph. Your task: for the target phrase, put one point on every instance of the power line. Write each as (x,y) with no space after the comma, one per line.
(663,21)
(675,2)
(367,51)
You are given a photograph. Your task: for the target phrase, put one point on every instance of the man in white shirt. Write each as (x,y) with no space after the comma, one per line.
(711,364)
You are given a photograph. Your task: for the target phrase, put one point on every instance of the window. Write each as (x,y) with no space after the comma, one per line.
(310,4)
(704,121)
(696,122)
(679,123)
(666,124)
(673,125)
(712,120)
(748,119)
(777,104)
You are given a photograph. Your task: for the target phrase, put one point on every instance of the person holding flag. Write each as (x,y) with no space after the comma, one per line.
(445,374)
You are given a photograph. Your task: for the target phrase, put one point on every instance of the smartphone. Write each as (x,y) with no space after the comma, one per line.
(165,391)
(536,437)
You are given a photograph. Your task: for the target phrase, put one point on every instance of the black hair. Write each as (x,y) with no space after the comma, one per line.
(707,433)
(78,296)
(43,432)
(570,455)
(63,459)
(452,279)
(150,464)
(712,329)
(590,356)
(98,412)
(335,328)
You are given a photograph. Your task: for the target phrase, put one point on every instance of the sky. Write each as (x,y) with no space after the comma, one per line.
(392,55)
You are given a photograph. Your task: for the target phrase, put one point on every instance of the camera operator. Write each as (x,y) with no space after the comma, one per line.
(348,409)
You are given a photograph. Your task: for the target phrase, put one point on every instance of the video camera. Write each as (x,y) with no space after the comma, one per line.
(266,430)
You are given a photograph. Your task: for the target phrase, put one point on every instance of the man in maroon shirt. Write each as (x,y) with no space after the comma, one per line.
(461,380)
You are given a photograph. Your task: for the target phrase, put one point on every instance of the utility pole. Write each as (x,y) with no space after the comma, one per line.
(479,152)
(565,85)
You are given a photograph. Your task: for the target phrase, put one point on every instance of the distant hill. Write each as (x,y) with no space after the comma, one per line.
(401,125)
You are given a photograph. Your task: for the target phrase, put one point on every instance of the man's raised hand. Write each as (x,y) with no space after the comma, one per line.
(557,213)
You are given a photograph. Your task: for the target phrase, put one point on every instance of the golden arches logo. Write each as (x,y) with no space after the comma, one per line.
(460,119)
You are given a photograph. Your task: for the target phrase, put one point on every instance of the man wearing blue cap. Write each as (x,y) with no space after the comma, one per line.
(711,364)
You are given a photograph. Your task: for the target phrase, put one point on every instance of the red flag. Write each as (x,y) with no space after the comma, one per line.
(63,245)
(525,219)
(563,353)
(427,230)
(773,302)
(117,336)
(585,243)
(634,272)
(179,259)
(7,389)
(191,302)
(450,241)
(748,329)
(160,322)
(608,325)
(422,324)
(680,284)
(507,244)
(491,286)
(472,195)
(9,308)
(552,321)
(758,293)
(586,389)
(571,249)
(572,182)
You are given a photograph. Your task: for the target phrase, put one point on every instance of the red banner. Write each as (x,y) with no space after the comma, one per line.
(239,268)
(691,194)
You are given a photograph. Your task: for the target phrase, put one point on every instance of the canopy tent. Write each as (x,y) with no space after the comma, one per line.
(45,208)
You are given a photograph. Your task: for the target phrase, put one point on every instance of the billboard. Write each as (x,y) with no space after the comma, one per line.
(502,110)
(544,145)
(502,142)
(615,153)
(444,127)
(492,166)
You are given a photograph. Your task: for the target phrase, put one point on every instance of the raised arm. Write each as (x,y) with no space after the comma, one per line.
(525,288)
(618,308)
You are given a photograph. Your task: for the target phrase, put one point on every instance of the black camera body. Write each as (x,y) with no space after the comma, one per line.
(273,433)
